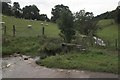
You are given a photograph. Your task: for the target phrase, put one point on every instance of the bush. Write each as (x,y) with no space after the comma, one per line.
(50,49)
(7,51)
(50,46)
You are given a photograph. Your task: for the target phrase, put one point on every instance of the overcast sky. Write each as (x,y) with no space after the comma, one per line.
(95,6)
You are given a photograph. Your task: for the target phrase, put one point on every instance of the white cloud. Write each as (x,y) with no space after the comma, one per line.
(5,0)
(95,6)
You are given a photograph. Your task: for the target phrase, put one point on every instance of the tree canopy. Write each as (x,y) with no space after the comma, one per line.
(31,12)
(83,22)
(27,12)
(17,10)
(117,16)
(6,9)
(65,23)
(56,11)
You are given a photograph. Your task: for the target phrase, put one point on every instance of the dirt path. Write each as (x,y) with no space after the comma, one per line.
(20,68)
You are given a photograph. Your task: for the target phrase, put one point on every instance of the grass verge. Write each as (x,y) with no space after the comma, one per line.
(92,61)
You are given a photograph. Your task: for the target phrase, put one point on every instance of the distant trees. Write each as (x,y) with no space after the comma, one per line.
(6,9)
(83,22)
(17,10)
(43,17)
(117,16)
(110,15)
(56,11)
(65,23)
(31,12)
(27,12)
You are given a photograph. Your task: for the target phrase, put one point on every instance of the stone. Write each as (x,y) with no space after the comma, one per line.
(8,65)
(15,55)
(37,58)
(26,58)
(61,70)
(69,71)
(82,71)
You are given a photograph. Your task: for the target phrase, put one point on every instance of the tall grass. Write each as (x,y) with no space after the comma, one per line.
(92,61)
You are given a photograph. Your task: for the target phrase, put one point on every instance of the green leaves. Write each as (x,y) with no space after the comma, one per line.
(65,23)
(56,11)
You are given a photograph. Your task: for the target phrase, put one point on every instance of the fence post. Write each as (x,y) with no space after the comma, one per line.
(13,30)
(43,30)
(116,44)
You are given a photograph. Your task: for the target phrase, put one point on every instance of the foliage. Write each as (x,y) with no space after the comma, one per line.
(56,11)
(117,16)
(109,15)
(50,46)
(93,61)
(6,9)
(17,12)
(43,17)
(84,23)
(65,24)
(27,12)
(31,12)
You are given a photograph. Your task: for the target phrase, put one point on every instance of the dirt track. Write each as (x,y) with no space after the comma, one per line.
(20,68)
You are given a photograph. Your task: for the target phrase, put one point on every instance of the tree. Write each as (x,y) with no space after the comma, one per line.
(117,15)
(43,17)
(56,11)
(17,10)
(65,23)
(6,9)
(83,22)
(31,12)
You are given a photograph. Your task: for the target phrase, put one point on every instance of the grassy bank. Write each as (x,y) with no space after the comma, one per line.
(92,61)
(23,45)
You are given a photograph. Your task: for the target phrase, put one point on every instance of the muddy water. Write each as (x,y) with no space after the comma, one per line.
(20,68)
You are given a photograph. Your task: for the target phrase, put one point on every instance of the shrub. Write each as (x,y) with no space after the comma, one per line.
(51,46)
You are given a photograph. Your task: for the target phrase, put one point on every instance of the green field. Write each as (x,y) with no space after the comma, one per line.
(26,40)
(22,29)
(108,30)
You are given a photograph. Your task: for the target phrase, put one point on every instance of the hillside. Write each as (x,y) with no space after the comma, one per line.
(108,30)
(23,30)
(26,40)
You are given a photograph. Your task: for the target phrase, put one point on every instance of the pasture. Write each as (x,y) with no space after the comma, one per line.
(26,40)
(22,29)
(108,31)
